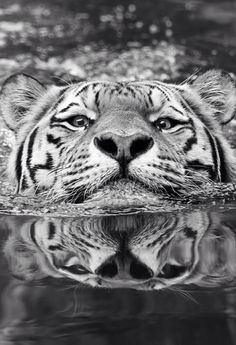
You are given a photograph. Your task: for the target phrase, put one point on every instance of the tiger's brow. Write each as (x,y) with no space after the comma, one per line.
(64,113)
(154,113)
(63,110)
(157,108)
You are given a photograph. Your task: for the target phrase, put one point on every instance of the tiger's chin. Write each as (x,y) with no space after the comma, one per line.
(123,193)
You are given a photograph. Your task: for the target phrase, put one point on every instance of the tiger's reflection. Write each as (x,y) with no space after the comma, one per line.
(144,251)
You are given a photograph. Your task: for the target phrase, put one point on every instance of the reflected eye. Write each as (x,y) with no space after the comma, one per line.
(73,266)
(171,271)
(75,269)
(79,121)
(165,124)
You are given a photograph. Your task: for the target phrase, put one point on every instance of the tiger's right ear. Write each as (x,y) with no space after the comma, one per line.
(19,93)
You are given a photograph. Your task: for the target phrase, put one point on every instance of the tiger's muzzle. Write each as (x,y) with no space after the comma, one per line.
(123,148)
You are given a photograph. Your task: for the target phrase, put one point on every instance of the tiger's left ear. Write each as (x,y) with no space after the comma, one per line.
(217,88)
(19,93)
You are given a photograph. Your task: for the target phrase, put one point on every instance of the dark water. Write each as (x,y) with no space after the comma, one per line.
(109,39)
(150,278)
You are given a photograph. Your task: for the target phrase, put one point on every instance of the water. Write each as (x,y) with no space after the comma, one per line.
(153,278)
(166,39)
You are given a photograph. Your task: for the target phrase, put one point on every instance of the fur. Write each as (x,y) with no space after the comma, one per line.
(58,129)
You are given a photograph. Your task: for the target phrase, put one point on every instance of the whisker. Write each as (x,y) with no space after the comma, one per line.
(183,293)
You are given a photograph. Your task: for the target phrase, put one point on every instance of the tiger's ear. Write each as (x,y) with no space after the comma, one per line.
(217,88)
(19,93)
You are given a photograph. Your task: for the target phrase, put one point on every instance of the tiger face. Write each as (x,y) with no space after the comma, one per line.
(124,137)
(143,252)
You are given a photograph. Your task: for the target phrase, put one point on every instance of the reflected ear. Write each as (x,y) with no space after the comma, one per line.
(22,260)
(19,93)
(24,265)
(218,89)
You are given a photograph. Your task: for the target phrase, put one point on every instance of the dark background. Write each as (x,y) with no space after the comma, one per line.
(161,39)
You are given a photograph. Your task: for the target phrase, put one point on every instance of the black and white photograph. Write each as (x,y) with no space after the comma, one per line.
(117,172)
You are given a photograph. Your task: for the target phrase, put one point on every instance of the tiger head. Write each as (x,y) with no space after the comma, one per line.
(144,251)
(81,139)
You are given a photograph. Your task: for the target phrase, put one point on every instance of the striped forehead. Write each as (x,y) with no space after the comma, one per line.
(99,95)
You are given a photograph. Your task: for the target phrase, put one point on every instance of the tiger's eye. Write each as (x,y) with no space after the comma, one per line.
(79,121)
(164,124)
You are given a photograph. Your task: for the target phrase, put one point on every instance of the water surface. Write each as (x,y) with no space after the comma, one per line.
(153,278)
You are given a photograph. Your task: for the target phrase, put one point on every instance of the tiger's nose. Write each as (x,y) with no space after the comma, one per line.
(123,148)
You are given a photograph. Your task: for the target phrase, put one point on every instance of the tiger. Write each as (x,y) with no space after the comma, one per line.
(121,139)
(142,252)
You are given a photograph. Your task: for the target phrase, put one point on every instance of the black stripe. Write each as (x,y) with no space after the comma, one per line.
(189,232)
(85,88)
(222,166)
(165,158)
(160,88)
(24,184)
(68,107)
(190,142)
(55,247)
(139,93)
(51,230)
(120,89)
(230,119)
(30,150)
(198,165)
(87,244)
(47,166)
(33,169)
(18,162)
(97,102)
(150,97)
(32,233)
(52,140)
(8,125)
(131,91)
(165,235)
(60,98)
(214,150)
(176,110)
(146,100)
(195,109)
